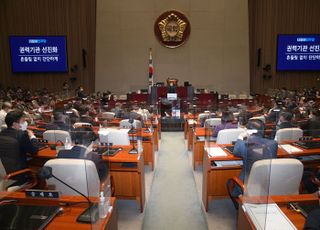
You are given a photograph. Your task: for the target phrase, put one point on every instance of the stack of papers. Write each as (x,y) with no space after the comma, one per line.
(228,163)
(216,152)
(268,217)
(290,149)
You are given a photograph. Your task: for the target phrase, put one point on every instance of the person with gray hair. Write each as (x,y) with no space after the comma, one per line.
(6,107)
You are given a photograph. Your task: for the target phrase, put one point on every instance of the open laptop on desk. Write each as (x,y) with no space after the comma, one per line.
(308,144)
(26,217)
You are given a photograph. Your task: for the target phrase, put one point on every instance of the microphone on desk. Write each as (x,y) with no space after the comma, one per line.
(46,173)
(133,150)
(90,214)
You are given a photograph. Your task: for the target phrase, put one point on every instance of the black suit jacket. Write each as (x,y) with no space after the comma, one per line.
(26,145)
(312,127)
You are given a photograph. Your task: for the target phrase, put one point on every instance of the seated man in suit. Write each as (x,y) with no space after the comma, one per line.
(312,126)
(285,121)
(82,151)
(117,110)
(252,148)
(25,139)
(58,122)
(273,114)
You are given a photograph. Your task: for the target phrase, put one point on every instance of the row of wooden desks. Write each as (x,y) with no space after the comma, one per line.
(72,207)
(126,169)
(149,140)
(215,177)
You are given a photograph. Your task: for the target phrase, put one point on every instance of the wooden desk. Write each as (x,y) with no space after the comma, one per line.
(215,178)
(67,220)
(198,146)
(189,123)
(129,179)
(199,136)
(190,133)
(245,223)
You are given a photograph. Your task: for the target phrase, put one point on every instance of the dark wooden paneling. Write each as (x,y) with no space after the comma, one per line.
(75,19)
(267,19)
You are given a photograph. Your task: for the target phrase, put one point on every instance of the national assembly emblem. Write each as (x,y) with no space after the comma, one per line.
(172,29)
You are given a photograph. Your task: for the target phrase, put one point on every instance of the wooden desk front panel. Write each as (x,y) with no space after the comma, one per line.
(197,153)
(148,153)
(217,180)
(126,184)
(190,138)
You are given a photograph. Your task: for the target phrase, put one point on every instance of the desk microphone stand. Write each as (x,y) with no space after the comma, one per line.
(132,130)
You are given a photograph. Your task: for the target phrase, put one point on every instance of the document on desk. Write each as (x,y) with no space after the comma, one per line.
(216,152)
(290,149)
(268,217)
(228,163)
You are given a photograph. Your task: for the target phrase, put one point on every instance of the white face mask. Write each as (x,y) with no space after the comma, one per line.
(24,126)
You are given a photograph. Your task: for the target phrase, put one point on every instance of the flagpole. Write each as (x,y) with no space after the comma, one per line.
(150,70)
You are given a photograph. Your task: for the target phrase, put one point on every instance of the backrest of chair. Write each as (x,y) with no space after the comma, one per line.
(274,177)
(212,122)
(82,124)
(126,124)
(288,134)
(116,137)
(56,135)
(232,96)
(10,154)
(203,116)
(261,118)
(243,96)
(108,115)
(78,173)
(227,136)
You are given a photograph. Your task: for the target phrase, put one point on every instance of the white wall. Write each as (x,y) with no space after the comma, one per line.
(216,56)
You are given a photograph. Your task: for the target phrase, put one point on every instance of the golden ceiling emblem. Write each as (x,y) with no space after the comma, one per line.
(172,29)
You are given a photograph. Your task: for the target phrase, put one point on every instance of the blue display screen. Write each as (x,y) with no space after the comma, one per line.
(298,52)
(38,54)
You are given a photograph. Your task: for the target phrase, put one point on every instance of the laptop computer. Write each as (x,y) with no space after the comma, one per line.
(26,217)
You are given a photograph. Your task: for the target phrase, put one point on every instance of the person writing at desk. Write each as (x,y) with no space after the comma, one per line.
(251,148)
(17,134)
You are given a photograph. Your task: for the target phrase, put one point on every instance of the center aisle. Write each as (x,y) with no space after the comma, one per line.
(173,202)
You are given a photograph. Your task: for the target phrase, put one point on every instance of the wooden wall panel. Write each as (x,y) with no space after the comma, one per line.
(267,19)
(75,19)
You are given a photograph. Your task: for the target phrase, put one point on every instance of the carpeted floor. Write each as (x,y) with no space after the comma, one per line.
(173,195)
(174,202)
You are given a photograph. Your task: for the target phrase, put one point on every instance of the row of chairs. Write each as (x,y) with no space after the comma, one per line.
(227,136)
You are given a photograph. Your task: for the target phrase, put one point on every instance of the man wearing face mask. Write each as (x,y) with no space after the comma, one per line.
(17,129)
